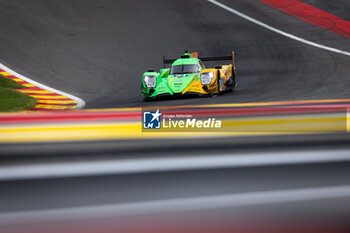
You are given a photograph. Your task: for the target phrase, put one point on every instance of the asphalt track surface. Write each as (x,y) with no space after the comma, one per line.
(97,50)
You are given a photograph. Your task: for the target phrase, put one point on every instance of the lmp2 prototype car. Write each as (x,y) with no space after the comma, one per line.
(188,75)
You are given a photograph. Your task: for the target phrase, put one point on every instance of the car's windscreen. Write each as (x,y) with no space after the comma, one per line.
(184,69)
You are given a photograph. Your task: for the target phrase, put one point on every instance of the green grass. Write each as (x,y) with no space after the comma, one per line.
(11,100)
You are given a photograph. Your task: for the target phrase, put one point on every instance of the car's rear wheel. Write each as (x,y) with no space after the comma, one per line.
(231,83)
(233,76)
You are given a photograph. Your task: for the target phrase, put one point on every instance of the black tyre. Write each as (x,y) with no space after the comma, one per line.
(233,76)
(147,99)
(232,82)
(218,82)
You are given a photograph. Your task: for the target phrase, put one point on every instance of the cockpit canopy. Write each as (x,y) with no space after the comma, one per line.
(184,69)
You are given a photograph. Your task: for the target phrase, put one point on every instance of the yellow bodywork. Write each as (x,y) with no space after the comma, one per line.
(224,74)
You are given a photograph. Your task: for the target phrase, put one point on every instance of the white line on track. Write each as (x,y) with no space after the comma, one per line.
(175,205)
(277,30)
(167,164)
(80,102)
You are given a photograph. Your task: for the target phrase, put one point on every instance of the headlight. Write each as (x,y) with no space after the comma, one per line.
(150,81)
(206,78)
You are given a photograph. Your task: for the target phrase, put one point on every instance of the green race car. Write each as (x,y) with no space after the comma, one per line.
(188,75)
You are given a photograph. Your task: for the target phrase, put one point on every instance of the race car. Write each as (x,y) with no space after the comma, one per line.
(188,75)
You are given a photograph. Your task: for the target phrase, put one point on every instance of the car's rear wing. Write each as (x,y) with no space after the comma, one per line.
(223,58)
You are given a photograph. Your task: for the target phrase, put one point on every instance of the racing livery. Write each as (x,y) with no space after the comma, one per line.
(188,75)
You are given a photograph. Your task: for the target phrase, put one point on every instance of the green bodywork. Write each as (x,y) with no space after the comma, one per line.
(167,84)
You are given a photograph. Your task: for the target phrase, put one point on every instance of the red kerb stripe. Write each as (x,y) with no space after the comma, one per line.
(312,15)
